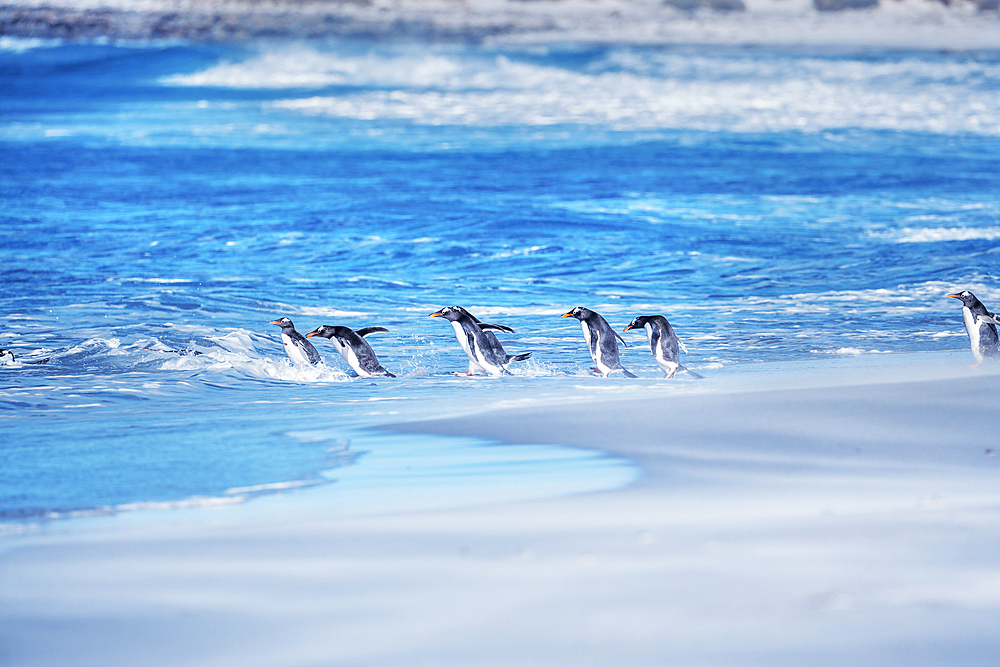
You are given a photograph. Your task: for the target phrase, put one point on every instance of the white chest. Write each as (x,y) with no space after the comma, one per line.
(973,328)
(351,357)
(295,353)
(594,352)
(463,340)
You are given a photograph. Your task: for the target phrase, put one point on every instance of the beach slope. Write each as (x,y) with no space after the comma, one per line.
(827,525)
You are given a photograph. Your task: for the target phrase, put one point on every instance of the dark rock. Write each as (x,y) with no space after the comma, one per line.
(715,5)
(841,5)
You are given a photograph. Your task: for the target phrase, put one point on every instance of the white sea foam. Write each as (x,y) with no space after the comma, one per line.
(274,486)
(22,44)
(629,89)
(851,351)
(237,351)
(938,234)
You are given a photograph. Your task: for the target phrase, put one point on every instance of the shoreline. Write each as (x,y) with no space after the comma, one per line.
(831,416)
(779,526)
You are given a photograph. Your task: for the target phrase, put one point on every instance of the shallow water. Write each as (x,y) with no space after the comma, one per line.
(163,202)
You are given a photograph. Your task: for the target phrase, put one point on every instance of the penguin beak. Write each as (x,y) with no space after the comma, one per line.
(567,315)
(273,322)
(435,315)
(627,328)
(954,296)
(312,333)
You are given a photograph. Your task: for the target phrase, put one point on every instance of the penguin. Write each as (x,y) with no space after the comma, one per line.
(7,359)
(601,339)
(664,344)
(486,354)
(299,350)
(353,347)
(981,325)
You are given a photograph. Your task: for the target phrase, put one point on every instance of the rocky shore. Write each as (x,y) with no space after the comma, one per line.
(455,20)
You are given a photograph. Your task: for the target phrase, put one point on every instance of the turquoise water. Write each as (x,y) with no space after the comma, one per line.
(163,202)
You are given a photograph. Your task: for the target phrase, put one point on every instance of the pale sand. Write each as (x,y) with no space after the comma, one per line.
(856,524)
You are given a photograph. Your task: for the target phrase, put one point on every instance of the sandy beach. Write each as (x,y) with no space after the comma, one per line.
(842,513)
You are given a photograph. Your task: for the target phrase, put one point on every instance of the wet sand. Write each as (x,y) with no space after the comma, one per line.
(847,518)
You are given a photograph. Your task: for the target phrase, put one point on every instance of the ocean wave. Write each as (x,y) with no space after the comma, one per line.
(22,44)
(942,234)
(706,94)
(850,352)
(237,351)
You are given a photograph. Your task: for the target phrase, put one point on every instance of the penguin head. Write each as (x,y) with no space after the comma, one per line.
(284,323)
(323,331)
(6,357)
(967,298)
(579,313)
(638,323)
(452,313)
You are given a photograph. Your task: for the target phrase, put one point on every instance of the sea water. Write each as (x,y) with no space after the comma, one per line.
(162,202)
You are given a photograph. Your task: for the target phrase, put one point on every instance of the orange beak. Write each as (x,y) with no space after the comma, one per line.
(954,296)
(434,315)
(273,322)
(311,334)
(567,315)
(627,328)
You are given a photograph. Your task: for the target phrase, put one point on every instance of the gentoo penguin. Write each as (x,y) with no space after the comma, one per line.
(353,347)
(602,340)
(299,350)
(663,342)
(981,325)
(486,354)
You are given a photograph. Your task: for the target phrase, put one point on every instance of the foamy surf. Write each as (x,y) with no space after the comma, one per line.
(628,89)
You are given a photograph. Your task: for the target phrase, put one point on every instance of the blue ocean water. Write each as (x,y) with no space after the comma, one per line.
(163,201)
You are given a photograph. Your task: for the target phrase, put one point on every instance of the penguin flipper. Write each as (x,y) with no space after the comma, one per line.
(518,357)
(312,354)
(370,330)
(990,317)
(691,372)
(498,327)
(40,361)
(629,374)
(683,346)
(619,338)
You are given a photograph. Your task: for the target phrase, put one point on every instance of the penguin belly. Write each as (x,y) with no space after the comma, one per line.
(352,360)
(463,340)
(660,354)
(595,352)
(668,367)
(346,353)
(295,353)
(981,337)
(595,349)
(482,356)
